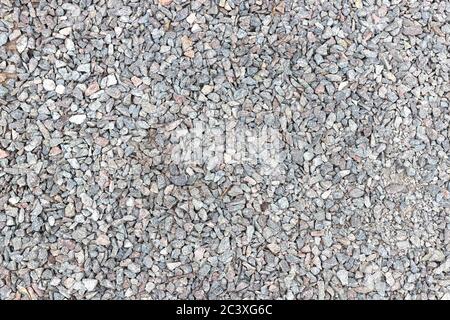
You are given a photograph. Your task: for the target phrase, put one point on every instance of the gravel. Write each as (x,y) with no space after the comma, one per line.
(229,149)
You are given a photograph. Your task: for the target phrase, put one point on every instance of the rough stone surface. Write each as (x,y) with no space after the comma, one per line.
(348,196)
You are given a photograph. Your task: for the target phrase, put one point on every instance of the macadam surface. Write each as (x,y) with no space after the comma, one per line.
(351,203)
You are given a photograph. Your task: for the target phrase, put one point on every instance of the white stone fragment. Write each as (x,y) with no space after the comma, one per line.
(77,119)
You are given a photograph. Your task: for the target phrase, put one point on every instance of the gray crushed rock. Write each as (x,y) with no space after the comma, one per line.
(99,101)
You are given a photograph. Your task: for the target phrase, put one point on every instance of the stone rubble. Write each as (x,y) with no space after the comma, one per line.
(95,97)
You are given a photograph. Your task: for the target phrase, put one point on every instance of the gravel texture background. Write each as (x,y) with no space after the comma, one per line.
(94,206)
